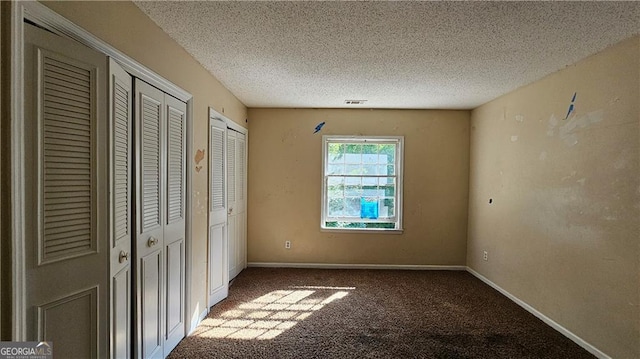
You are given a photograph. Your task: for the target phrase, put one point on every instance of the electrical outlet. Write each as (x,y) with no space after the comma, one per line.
(287,244)
(485,255)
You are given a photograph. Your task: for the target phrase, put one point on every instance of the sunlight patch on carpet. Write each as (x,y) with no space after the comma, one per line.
(270,315)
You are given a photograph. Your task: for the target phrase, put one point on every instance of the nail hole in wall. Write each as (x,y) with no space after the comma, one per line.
(490,200)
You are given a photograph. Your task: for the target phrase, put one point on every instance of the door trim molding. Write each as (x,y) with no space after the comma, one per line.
(230,124)
(52,21)
(56,23)
(16,93)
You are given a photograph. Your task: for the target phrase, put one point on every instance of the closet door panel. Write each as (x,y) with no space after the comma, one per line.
(218,241)
(150,115)
(174,226)
(66,199)
(120,206)
(236,195)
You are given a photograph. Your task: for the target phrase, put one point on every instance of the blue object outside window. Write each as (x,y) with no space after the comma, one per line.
(368,208)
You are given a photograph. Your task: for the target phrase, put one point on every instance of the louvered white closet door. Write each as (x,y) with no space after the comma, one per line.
(218,243)
(120,97)
(236,195)
(150,140)
(66,179)
(174,224)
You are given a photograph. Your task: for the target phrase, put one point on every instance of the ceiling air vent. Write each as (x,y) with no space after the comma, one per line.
(355,102)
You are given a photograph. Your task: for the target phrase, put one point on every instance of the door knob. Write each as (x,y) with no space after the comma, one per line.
(123,257)
(152,241)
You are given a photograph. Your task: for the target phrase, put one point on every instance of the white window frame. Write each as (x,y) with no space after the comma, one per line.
(399,163)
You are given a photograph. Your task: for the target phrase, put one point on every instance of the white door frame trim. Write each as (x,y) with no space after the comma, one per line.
(16,93)
(48,19)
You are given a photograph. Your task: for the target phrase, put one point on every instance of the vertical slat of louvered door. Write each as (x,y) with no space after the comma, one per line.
(66,220)
(149,114)
(218,246)
(120,167)
(174,229)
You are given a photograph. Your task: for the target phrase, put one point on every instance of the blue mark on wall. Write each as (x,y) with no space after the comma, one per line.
(571,106)
(319,127)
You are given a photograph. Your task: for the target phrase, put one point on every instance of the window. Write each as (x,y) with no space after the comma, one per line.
(362,183)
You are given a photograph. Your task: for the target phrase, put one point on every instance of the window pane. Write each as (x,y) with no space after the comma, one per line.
(352,207)
(335,181)
(350,181)
(353,158)
(336,207)
(390,170)
(387,207)
(387,187)
(353,188)
(370,181)
(370,153)
(335,190)
(370,186)
(336,152)
(335,169)
(388,149)
(370,170)
(353,169)
(354,148)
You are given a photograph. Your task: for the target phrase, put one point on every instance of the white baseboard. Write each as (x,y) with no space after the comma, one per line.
(355,266)
(564,331)
(195,323)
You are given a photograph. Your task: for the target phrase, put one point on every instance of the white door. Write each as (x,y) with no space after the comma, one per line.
(236,197)
(120,97)
(174,224)
(65,158)
(150,236)
(218,242)
(160,243)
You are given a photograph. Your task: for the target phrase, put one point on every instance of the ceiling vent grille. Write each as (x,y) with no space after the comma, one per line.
(355,102)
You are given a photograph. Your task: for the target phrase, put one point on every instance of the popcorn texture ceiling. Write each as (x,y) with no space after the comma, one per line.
(420,55)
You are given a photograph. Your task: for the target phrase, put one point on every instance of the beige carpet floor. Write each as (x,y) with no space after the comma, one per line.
(311,313)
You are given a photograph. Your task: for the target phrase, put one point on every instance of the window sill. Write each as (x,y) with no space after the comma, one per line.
(360,230)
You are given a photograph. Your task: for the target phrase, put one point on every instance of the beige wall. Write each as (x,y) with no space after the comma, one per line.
(285,162)
(563,230)
(125,27)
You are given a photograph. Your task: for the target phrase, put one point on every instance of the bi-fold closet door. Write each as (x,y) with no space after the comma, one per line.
(96,234)
(227,204)
(160,138)
(159,210)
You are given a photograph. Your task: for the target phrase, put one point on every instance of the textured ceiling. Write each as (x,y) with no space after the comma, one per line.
(452,55)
